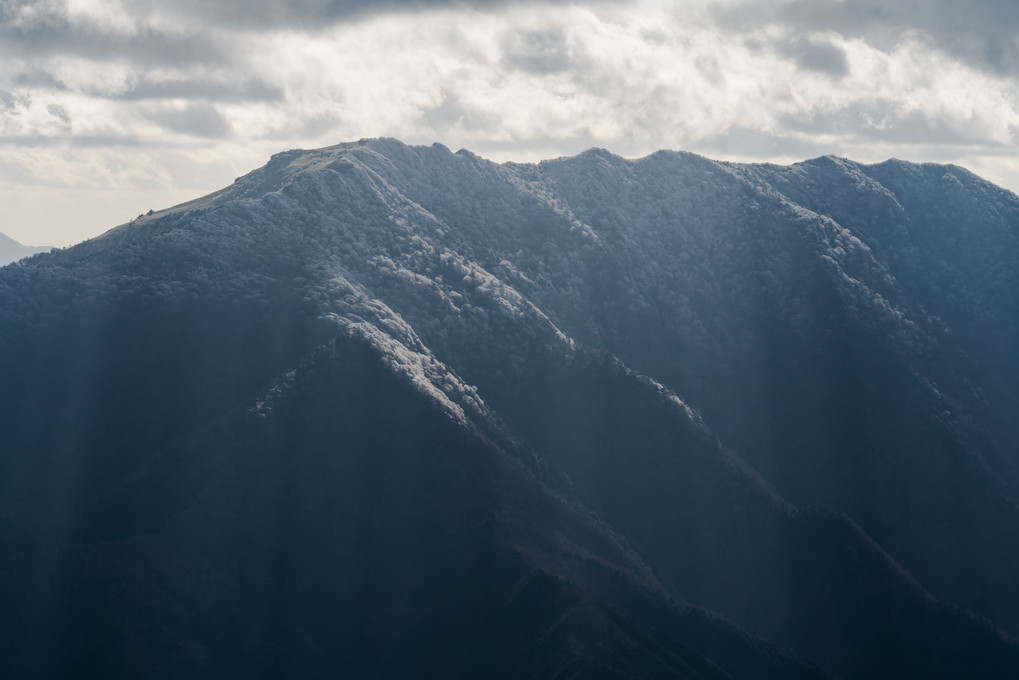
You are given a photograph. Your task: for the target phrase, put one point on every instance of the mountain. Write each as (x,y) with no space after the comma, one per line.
(12,251)
(380,410)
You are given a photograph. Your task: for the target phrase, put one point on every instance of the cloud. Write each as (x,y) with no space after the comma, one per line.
(9,100)
(218,90)
(451,113)
(60,113)
(50,31)
(538,51)
(18,174)
(541,146)
(813,54)
(226,84)
(637,77)
(36,78)
(314,15)
(745,142)
(41,140)
(197,119)
(891,122)
(982,33)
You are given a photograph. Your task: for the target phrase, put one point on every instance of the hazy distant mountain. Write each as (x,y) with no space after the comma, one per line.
(12,251)
(387,411)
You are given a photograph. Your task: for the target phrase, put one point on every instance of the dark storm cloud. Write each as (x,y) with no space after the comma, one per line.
(452,113)
(183,85)
(10,8)
(540,52)
(752,143)
(883,121)
(313,14)
(8,100)
(39,78)
(252,90)
(60,113)
(123,141)
(197,119)
(52,33)
(817,55)
(983,33)
(203,31)
(303,125)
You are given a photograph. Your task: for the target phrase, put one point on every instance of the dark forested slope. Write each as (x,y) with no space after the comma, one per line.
(381,410)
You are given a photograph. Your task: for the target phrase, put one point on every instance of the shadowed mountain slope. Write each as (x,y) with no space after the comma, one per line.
(376,408)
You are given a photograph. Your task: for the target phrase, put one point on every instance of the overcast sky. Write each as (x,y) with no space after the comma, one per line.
(109,108)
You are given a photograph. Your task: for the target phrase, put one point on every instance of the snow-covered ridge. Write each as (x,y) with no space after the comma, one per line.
(693,349)
(670,249)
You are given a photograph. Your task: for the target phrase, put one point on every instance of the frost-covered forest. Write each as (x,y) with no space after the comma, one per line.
(562,406)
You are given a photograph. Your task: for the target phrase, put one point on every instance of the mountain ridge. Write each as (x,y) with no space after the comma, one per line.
(12,251)
(672,343)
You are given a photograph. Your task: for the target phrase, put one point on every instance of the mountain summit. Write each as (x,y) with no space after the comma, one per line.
(12,251)
(380,411)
